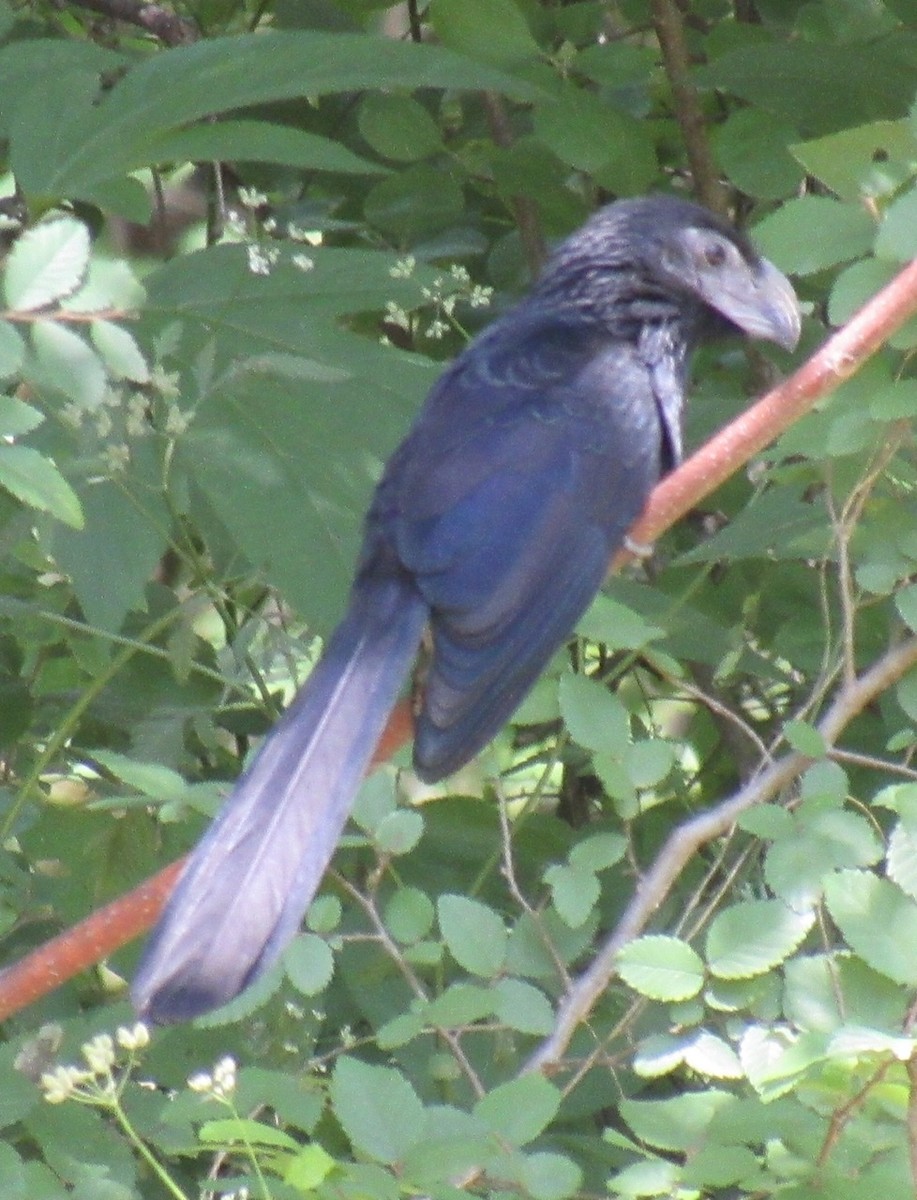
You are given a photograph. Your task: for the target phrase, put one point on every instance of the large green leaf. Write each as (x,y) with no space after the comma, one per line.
(91,140)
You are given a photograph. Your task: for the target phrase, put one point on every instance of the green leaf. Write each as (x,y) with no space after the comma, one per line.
(549,1176)
(399,832)
(902,858)
(12,350)
(150,779)
(231,1131)
(867,160)
(65,363)
(751,938)
(490,30)
(17,417)
(46,264)
(309,964)
(121,541)
(398,127)
(474,934)
(309,1168)
(409,915)
(460,1004)
(595,717)
(259,141)
(574,891)
(677,1123)
(814,232)
(521,1109)
(598,851)
(616,625)
(119,351)
(35,480)
(753,148)
(522,1007)
(663,968)
(100,138)
(896,238)
(377,1108)
(592,136)
(713,1057)
(804,739)
(877,920)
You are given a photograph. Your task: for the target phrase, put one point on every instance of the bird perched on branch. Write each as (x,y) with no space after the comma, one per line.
(493,527)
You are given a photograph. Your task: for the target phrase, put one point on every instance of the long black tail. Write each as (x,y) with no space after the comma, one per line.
(249,881)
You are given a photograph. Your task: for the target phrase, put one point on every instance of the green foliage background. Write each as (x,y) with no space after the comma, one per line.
(203,370)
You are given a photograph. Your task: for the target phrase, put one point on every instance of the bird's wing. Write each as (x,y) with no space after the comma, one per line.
(509,522)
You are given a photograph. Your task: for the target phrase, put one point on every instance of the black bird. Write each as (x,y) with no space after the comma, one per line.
(492,526)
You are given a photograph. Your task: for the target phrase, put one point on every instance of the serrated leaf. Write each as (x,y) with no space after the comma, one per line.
(12,350)
(521,1109)
(521,1006)
(409,915)
(677,1123)
(119,351)
(549,1176)
(663,968)
(399,1031)
(712,1056)
(65,362)
(17,417)
(751,938)
(877,920)
(460,1004)
(399,832)
(474,934)
(906,603)
(804,738)
(902,859)
(574,892)
(309,964)
(598,851)
(46,264)
(36,481)
(377,1108)
(596,718)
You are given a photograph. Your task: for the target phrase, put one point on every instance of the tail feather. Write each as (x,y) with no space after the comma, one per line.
(248,883)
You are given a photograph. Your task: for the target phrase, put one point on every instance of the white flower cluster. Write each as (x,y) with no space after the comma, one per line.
(96,1079)
(220,1083)
(443,294)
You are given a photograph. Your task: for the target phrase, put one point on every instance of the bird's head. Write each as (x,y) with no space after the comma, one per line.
(656,247)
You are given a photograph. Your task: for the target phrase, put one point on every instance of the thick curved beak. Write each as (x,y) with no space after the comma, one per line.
(762,304)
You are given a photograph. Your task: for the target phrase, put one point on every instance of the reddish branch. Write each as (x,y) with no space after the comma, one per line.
(843,354)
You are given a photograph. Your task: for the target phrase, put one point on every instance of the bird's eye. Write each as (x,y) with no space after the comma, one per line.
(714,254)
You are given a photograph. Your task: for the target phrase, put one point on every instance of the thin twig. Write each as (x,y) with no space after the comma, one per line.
(670,33)
(524,208)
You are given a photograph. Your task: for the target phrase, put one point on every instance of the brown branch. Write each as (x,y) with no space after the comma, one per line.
(524,208)
(670,33)
(688,838)
(844,353)
(168,26)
